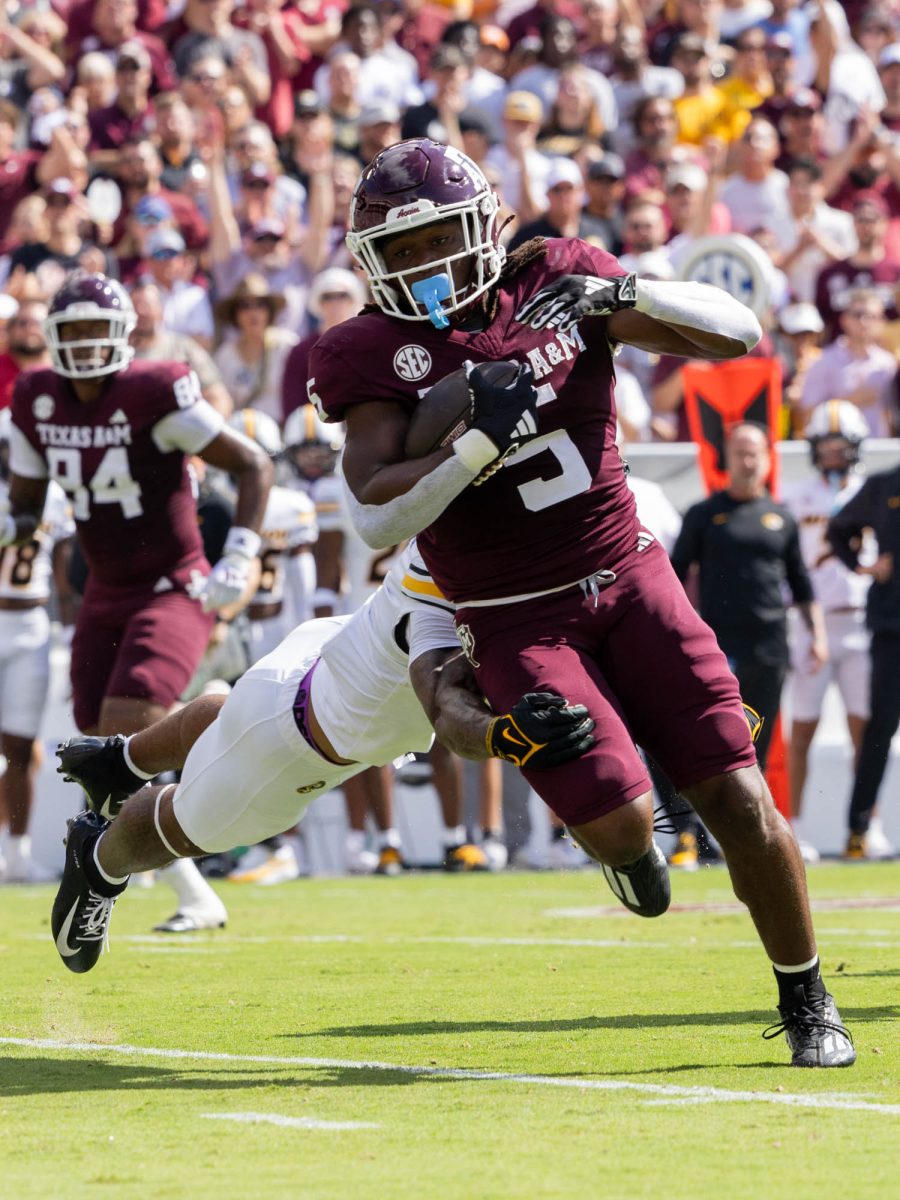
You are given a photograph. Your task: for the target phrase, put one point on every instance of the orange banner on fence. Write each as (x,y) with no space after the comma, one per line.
(719,395)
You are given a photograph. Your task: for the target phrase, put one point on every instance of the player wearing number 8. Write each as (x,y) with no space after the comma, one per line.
(558,587)
(116,436)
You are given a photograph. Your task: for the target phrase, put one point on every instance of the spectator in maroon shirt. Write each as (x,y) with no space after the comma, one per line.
(139,174)
(26,346)
(281,30)
(113,23)
(129,116)
(870,267)
(656,130)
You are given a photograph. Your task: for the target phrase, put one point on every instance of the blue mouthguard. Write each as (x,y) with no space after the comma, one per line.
(431,292)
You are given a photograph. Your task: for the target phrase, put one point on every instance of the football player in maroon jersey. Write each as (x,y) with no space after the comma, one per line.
(527,524)
(116,435)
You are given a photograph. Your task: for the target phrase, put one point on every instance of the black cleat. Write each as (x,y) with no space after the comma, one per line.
(812,1025)
(80,917)
(643,886)
(98,766)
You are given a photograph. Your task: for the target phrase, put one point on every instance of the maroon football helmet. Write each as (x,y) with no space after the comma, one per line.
(86,297)
(415,183)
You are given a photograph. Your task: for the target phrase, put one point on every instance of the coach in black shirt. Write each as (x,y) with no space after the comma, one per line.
(746,548)
(875,506)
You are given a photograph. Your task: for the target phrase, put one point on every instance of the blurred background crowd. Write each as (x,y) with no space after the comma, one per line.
(204,153)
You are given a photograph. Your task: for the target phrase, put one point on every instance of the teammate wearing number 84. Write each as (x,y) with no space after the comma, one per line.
(116,436)
(558,587)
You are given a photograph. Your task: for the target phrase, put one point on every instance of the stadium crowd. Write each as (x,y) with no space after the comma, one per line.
(204,152)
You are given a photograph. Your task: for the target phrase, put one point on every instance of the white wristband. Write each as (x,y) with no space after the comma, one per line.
(475,450)
(10,531)
(242,541)
(325,598)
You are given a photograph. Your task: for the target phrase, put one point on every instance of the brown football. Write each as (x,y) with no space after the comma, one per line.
(445,411)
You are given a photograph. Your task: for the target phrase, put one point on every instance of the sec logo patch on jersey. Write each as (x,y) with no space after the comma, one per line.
(412,363)
(43,407)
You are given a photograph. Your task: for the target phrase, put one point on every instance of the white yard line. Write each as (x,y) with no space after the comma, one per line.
(669,1091)
(253,1118)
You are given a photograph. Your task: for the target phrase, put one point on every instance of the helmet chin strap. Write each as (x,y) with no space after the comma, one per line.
(430,292)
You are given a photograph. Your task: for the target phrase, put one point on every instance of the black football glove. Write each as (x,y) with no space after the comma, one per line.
(542,730)
(506,415)
(571,297)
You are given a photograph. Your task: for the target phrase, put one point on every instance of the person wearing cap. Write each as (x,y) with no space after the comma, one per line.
(259,198)
(602,217)
(559,48)
(335,295)
(702,110)
(781,61)
(530,23)
(869,266)
(186,306)
(801,127)
(522,168)
(634,78)
(889,74)
(813,234)
(66,213)
(565,198)
(378,127)
(111,23)
(154,342)
(786,25)
(799,345)
(209,27)
(130,115)
(438,117)
(692,208)
(856,367)
(253,355)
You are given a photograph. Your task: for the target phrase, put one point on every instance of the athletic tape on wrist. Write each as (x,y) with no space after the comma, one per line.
(242,541)
(475,450)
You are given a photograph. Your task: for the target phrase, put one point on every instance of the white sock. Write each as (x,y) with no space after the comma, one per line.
(454,835)
(389,837)
(807,966)
(189,885)
(129,762)
(356,841)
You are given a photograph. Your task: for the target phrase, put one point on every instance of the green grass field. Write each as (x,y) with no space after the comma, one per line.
(446,1036)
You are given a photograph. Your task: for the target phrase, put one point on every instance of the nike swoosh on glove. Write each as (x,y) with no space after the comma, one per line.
(570,298)
(541,730)
(226,582)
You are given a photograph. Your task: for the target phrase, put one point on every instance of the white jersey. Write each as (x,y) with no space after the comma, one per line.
(363,699)
(355,672)
(812,502)
(26,571)
(364,568)
(288,525)
(655,510)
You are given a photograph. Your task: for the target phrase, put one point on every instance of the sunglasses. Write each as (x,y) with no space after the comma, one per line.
(128,65)
(58,201)
(255,302)
(267,237)
(257,185)
(335,296)
(164,255)
(205,77)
